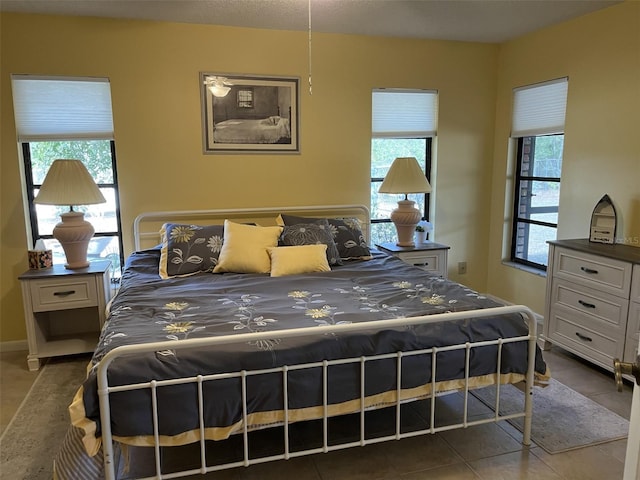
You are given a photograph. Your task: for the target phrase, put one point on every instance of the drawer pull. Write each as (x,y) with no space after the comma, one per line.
(589,270)
(584,337)
(586,304)
(425,264)
(65,293)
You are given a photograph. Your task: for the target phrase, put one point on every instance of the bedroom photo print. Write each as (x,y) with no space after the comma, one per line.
(249,114)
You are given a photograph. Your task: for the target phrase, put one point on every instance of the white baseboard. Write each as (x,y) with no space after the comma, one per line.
(539,318)
(14,346)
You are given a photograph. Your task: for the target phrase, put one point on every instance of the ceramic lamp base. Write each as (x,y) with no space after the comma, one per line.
(405,218)
(74,234)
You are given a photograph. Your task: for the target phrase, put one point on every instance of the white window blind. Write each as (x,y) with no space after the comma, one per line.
(539,109)
(62,108)
(404,113)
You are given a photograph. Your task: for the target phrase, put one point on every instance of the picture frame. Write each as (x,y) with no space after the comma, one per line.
(250,113)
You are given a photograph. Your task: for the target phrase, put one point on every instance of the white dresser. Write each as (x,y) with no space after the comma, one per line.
(592,304)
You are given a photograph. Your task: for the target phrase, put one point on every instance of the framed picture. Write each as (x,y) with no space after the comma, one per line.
(250,113)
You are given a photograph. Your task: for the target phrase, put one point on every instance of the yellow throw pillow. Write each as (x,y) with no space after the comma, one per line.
(244,249)
(298,259)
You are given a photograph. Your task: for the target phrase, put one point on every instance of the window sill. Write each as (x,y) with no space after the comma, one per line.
(525,268)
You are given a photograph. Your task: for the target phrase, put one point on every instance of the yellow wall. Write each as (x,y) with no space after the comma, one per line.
(153,68)
(154,72)
(600,53)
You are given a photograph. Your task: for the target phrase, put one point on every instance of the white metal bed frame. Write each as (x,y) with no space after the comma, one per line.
(104,389)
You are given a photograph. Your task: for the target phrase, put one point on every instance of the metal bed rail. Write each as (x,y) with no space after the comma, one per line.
(104,389)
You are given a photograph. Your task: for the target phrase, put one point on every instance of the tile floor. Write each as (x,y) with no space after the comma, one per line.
(483,452)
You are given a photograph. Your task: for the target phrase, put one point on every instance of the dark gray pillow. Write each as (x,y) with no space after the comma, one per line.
(311,234)
(189,249)
(346,232)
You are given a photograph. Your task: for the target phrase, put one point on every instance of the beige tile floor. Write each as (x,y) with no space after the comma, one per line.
(483,452)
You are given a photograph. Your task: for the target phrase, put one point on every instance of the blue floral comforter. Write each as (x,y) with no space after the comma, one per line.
(150,309)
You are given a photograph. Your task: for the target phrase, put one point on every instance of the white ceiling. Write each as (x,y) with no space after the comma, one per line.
(465,20)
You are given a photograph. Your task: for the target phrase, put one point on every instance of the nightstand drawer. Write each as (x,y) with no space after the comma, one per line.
(49,295)
(429,256)
(604,274)
(427,261)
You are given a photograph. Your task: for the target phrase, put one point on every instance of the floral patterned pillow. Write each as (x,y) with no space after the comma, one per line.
(346,232)
(189,249)
(312,234)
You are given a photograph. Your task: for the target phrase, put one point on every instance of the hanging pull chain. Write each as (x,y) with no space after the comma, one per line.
(310,83)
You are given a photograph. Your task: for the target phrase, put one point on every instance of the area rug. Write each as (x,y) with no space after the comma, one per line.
(563,419)
(31,439)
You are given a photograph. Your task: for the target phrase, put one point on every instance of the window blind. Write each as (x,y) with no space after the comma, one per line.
(539,109)
(404,113)
(62,108)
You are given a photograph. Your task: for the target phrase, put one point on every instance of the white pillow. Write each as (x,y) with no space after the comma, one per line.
(244,249)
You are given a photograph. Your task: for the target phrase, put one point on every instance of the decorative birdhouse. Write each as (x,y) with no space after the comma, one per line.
(603,222)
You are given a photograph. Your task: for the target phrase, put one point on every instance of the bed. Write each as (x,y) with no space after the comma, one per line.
(201,354)
(273,129)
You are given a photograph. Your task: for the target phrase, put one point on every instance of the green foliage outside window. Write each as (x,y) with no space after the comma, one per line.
(95,154)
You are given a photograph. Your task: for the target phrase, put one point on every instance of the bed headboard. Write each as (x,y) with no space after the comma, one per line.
(146,226)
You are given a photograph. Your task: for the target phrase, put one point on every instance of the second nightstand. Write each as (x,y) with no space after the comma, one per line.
(429,256)
(64,309)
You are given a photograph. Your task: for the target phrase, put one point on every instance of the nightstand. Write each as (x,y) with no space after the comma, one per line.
(429,256)
(64,310)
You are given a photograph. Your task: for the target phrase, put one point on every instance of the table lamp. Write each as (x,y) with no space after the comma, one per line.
(69,183)
(405,176)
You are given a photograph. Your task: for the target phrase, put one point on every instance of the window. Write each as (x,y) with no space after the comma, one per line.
(538,127)
(403,123)
(69,118)
(245,98)
(537,198)
(383,152)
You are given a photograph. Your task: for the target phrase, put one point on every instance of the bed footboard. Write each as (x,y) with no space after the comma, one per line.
(324,412)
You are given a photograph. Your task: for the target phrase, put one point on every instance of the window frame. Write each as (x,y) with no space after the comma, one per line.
(517,219)
(427,166)
(403,114)
(31,187)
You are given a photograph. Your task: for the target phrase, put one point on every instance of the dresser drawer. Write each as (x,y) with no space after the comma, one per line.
(586,336)
(604,274)
(49,295)
(635,284)
(631,345)
(607,308)
(633,333)
(633,325)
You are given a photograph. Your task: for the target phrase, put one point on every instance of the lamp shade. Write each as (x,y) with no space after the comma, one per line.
(68,183)
(405,176)
(219,90)
(218,86)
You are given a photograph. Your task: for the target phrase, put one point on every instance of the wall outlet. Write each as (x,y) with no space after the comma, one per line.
(462,268)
